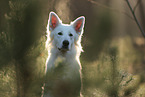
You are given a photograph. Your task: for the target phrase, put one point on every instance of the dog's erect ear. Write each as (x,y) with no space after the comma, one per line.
(53,21)
(79,24)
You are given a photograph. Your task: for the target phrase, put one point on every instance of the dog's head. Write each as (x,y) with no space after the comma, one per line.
(64,36)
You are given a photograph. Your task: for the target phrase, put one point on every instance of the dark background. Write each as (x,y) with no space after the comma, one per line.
(113,60)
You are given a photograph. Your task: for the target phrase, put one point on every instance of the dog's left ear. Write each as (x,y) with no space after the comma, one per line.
(78,24)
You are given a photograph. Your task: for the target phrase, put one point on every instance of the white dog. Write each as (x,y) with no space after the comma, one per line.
(63,68)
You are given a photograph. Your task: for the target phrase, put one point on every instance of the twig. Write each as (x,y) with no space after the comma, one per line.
(104,6)
(136,5)
(128,81)
(143,33)
(122,77)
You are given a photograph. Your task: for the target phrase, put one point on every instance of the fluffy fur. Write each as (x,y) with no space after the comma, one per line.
(63,68)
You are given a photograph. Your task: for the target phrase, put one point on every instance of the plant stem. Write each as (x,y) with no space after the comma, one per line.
(143,33)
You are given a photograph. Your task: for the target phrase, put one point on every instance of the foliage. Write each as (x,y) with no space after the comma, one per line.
(113,64)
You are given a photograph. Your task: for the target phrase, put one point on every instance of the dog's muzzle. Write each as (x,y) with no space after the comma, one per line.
(64,46)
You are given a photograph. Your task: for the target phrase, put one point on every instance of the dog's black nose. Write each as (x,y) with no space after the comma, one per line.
(65,43)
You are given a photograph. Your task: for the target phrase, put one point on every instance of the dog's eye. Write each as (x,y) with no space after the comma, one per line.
(70,34)
(59,33)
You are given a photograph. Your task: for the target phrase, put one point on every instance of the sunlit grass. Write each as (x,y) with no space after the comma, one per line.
(8,87)
(98,78)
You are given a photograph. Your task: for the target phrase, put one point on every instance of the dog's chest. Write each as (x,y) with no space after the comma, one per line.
(68,65)
(60,61)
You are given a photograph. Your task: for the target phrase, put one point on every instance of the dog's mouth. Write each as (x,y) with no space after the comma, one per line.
(63,49)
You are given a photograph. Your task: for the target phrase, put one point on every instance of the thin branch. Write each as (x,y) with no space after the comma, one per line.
(142,31)
(136,5)
(128,81)
(106,7)
(122,77)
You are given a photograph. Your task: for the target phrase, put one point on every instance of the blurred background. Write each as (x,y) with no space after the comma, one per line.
(113,60)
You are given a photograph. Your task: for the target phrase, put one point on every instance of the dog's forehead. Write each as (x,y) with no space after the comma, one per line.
(66,28)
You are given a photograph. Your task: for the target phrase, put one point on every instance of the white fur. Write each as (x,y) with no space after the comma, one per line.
(55,42)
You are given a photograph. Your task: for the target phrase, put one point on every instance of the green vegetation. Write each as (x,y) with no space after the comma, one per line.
(113,58)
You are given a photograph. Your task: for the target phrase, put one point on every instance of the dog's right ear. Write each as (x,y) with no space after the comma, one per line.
(53,21)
